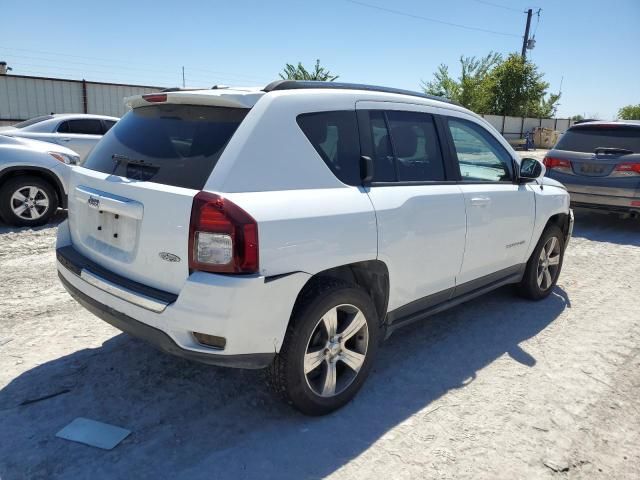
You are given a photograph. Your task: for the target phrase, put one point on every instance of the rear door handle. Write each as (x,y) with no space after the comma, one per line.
(65,139)
(480,201)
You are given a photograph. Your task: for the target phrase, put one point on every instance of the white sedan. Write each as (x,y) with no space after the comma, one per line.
(79,132)
(33,180)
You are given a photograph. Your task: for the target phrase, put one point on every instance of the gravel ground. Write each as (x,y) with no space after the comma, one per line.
(497,388)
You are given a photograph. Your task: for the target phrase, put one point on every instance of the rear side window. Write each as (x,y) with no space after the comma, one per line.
(83,127)
(175,145)
(588,139)
(415,146)
(334,135)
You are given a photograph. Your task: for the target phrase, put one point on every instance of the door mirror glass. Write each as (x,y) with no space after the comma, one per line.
(530,169)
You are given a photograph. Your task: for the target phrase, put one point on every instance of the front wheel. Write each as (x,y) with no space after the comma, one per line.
(328,349)
(27,201)
(544,265)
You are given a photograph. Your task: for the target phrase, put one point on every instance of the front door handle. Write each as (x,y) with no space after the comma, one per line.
(65,139)
(480,201)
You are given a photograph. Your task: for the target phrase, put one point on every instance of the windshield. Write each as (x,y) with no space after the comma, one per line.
(587,139)
(175,145)
(32,121)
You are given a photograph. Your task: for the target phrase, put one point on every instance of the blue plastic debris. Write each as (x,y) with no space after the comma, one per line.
(95,434)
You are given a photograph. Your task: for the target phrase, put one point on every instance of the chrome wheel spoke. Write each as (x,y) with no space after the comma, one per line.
(20,210)
(18,197)
(554,260)
(313,360)
(340,335)
(33,191)
(330,321)
(330,380)
(43,202)
(547,278)
(353,360)
(356,324)
(551,245)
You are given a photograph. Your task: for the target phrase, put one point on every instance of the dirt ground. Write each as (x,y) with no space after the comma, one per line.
(497,388)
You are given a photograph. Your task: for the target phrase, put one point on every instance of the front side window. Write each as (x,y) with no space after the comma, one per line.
(334,135)
(480,157)
(108,124)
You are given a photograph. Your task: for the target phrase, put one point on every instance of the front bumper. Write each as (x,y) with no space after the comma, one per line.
(250,312)
(570,228)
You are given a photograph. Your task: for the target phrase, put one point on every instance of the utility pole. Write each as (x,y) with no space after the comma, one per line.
(183,86)
(526,34)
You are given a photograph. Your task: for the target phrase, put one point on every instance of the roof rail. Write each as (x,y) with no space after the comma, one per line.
(315,84)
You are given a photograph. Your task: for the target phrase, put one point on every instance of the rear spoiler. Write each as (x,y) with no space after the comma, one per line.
(231,98)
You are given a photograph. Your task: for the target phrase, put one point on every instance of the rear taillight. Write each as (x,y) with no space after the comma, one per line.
(155,97)
(223,238)
(557,164)
(627,169)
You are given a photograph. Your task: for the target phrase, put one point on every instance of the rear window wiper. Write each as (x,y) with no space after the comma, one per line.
(119,159)
(612,151)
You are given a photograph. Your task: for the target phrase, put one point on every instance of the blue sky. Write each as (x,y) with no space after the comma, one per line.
(594,45)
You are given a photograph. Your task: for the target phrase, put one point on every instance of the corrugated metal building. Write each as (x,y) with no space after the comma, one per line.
(23,97)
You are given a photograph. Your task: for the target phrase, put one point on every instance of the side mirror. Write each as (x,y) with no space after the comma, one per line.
(530,169)
(366,169)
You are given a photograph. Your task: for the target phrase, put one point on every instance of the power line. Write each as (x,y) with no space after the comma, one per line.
(491,4)
(224,76)
(429,19)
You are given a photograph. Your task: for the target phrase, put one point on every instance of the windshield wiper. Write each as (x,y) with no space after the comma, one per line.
(123,159)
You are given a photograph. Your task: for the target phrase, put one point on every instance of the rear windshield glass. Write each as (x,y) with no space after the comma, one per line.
(175,145)
(33,121)
(588,139)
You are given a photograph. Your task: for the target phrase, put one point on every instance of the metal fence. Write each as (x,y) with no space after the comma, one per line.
(23,97)
(515,127)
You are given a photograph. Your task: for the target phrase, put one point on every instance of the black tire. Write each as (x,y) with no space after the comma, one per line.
(14,185)
(286,374)
(530,287)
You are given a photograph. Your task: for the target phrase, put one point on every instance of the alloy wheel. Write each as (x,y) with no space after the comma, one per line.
(336,350)
(548,263)
(29,202)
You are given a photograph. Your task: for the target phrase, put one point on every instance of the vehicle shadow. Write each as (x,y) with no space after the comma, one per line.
(59,217)
(609,228)
(195,421)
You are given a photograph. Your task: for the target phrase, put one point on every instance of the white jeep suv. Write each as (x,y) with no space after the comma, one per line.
(296,226)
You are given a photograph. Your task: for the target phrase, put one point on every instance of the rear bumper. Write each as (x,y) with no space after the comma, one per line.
(160,339)
(250,312)
(605,202)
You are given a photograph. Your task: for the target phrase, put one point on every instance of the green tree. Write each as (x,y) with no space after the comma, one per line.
(299,72)
(630,112)
(469,89)
(517,88)
(577,118)
(493,85)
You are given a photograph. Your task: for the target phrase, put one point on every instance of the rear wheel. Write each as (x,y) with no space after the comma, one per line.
(27,201)
(329,348)
(544,265)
